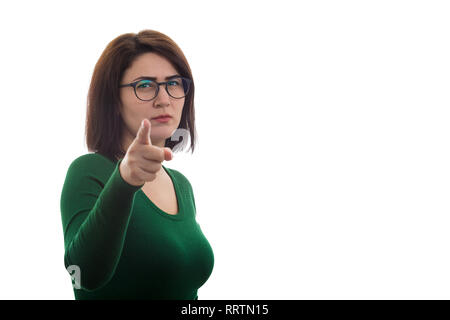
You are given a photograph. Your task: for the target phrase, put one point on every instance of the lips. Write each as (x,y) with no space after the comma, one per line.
(162,116)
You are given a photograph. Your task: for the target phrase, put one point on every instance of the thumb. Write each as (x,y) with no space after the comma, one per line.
(143,134)
(168,154)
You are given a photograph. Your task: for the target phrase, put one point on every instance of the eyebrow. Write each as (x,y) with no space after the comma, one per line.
(154,78)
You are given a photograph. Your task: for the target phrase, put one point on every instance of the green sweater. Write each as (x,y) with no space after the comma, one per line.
(122,244)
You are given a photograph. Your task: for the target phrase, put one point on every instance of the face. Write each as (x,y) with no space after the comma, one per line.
(133,110)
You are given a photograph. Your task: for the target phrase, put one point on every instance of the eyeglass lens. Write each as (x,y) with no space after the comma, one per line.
(176,88)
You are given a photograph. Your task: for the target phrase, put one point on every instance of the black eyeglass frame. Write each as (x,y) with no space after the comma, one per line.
(133,84)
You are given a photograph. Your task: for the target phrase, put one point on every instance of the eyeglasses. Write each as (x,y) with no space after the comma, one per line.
(147,89)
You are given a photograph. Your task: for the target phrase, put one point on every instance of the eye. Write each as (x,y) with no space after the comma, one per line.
(145,84)
(174,83)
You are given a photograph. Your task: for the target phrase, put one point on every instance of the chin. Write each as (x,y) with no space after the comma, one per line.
(162,136)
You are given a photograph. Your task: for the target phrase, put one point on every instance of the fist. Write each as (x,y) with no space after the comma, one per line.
(143,160)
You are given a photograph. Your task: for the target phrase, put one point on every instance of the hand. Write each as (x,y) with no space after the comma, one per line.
(143,160)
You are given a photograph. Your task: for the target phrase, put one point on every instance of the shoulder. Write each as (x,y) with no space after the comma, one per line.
(91,165)
(181,178)
(89,161)
(89,171)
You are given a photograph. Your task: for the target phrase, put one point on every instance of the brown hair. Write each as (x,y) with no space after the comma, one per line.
(104,123)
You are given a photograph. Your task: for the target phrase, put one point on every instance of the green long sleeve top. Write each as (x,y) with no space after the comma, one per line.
(122,244)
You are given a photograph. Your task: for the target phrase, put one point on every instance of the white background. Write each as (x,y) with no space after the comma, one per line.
(322,168)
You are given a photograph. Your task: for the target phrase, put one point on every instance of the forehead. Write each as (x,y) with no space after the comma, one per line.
(150,64)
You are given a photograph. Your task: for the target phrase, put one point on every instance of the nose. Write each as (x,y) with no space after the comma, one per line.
(162,93)
(162,98)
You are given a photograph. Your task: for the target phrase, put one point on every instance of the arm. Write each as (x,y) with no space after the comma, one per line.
(95,220)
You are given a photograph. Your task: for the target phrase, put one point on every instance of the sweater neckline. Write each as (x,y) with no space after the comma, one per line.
(180,204)
(181,213)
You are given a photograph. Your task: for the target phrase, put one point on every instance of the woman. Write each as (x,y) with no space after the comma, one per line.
(129,222)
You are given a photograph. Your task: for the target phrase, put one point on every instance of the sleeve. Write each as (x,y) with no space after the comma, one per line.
(95,221)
